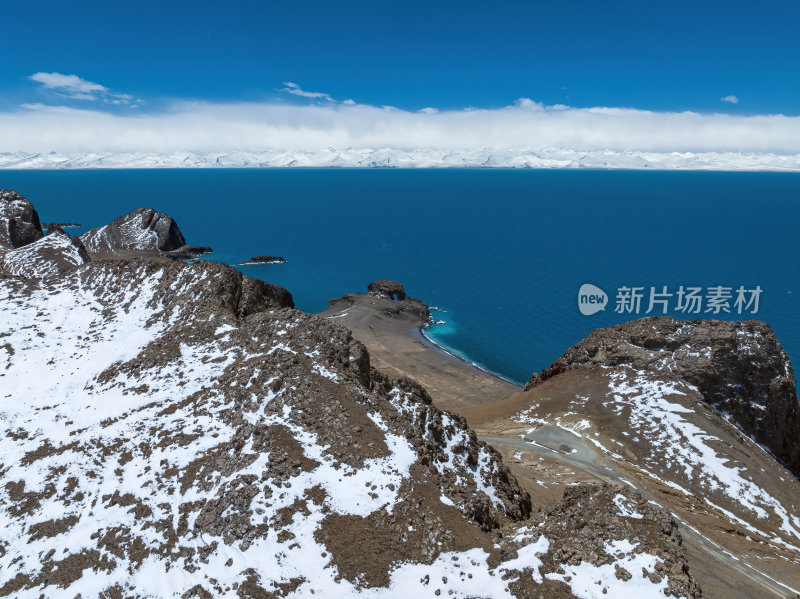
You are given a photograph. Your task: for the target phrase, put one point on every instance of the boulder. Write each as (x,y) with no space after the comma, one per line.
(19,221)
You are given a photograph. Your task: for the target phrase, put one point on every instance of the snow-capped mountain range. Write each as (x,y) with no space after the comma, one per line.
(417,158)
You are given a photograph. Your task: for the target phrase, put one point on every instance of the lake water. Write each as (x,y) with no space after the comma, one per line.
(502,252)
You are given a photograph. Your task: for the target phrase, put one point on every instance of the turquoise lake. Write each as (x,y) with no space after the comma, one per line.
(502,252)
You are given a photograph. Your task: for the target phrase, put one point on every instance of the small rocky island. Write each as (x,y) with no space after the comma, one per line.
(264,260)
(50,226)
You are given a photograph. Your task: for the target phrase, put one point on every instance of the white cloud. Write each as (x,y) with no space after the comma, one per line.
(296,90)
(70,83)
(77,88)
(730,99)
(206,127)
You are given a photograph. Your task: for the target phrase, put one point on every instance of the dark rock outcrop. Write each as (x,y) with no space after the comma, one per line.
(392,298)
(188,252)
(19,221)
(52,226)
(387,289)
(739,367)
(143,230)
(256,296)
(266,260)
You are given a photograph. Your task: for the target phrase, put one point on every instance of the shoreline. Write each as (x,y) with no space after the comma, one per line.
(395,339)
(419,334)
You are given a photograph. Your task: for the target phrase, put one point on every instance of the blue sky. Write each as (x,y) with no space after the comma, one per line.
(659,56)
(172,76)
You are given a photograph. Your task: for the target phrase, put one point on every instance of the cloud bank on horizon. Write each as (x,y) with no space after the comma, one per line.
(324,122)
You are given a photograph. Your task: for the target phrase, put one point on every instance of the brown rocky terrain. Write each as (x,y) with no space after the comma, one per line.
(631,406)
(180,430)
(738,367)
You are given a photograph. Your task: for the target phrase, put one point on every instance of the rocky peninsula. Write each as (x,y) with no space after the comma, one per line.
(390,324)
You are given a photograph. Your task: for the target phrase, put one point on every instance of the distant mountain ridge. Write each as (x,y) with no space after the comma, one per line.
(557,158)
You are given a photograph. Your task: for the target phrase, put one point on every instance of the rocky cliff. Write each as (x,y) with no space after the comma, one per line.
(739,367)
(19,221)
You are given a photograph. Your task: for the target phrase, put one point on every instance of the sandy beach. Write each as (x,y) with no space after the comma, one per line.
(397,347)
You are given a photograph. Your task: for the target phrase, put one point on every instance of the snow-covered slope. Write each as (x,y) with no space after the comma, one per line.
(167,434)
(658,434)
(664,429)
(739,368)
(47,257)
(417,158)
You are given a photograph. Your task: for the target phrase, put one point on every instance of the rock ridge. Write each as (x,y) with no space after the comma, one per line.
(143,231)
(739,367)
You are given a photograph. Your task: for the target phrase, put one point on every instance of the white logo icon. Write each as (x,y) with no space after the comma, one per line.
(591,299)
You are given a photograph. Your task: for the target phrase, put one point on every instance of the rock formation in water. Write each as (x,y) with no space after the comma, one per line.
(49,226)
(739,367)
(19,221)
(142,231)
(389,289)
(265,260)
